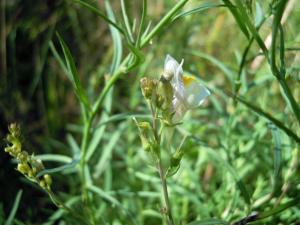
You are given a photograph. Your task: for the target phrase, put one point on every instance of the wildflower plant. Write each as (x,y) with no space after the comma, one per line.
(168,98)
(244,169)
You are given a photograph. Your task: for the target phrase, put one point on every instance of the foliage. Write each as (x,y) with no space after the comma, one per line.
(70,75)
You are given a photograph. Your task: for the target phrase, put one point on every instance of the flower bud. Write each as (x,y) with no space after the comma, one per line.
(23,168)
(14,129)
(30,174)
(43,184)
(159,101)
(22,156)
(148,87)
(165,89)
(48,179)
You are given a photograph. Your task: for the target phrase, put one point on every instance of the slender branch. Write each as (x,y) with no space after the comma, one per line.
(165,193)
(61,205)
(167,18)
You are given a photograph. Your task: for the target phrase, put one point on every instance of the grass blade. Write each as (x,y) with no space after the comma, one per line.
(54,158)
(107,151)
(116,37)
(163,22)
(268,116)
(126,21)
(100,14)
(277,176)
(142,24)
(13,211)
(238,18)
(202,7)
(73,74)
(279,208)
(69,165)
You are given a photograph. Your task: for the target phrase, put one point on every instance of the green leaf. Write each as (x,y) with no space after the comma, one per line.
(73,75)
(70,165)
(239,183)
(279,208)
(126,21)
(97,137)
(104,195)
(268,116)
(54,158)
(58,214)
(247,21)
(163,22)
(13,211)
(230,74)
(100,14)
(73,144)
(117,56)
(259,14)
(198,9)
(277,177)
(107,150)
(209,222)
(142,24)
(238,17)
(175,160)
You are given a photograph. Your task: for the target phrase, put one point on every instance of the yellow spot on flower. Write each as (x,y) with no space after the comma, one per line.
(187,80)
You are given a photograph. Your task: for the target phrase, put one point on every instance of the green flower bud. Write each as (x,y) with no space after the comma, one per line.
(148,86)
(23,168)
(14,129)
(165,89)
(31,174)
(159,100)
(48,179)
(22,156)
(146,135)
(36,163)
(43,184)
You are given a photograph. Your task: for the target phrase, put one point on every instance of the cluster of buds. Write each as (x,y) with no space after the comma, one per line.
(28,165)
(147,136)
(150,91)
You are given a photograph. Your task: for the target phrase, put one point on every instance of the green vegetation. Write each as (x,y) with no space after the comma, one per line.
(88,114)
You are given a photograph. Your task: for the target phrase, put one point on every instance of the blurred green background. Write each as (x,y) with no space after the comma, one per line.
(228,167)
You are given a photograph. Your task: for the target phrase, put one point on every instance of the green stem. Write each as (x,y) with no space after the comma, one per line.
(275,28)
(289,95)
(165,193)
(280,76)
(61,205)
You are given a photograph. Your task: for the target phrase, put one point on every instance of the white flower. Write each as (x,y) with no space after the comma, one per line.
(188,92)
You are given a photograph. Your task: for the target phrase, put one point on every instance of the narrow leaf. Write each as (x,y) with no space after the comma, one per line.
(13,211)
(70,165)
(268,116)
(99,13)
(198,9)
(73,75)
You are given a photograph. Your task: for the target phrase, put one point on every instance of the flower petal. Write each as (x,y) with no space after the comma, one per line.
(195,93)
(177,81)
(170,67)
